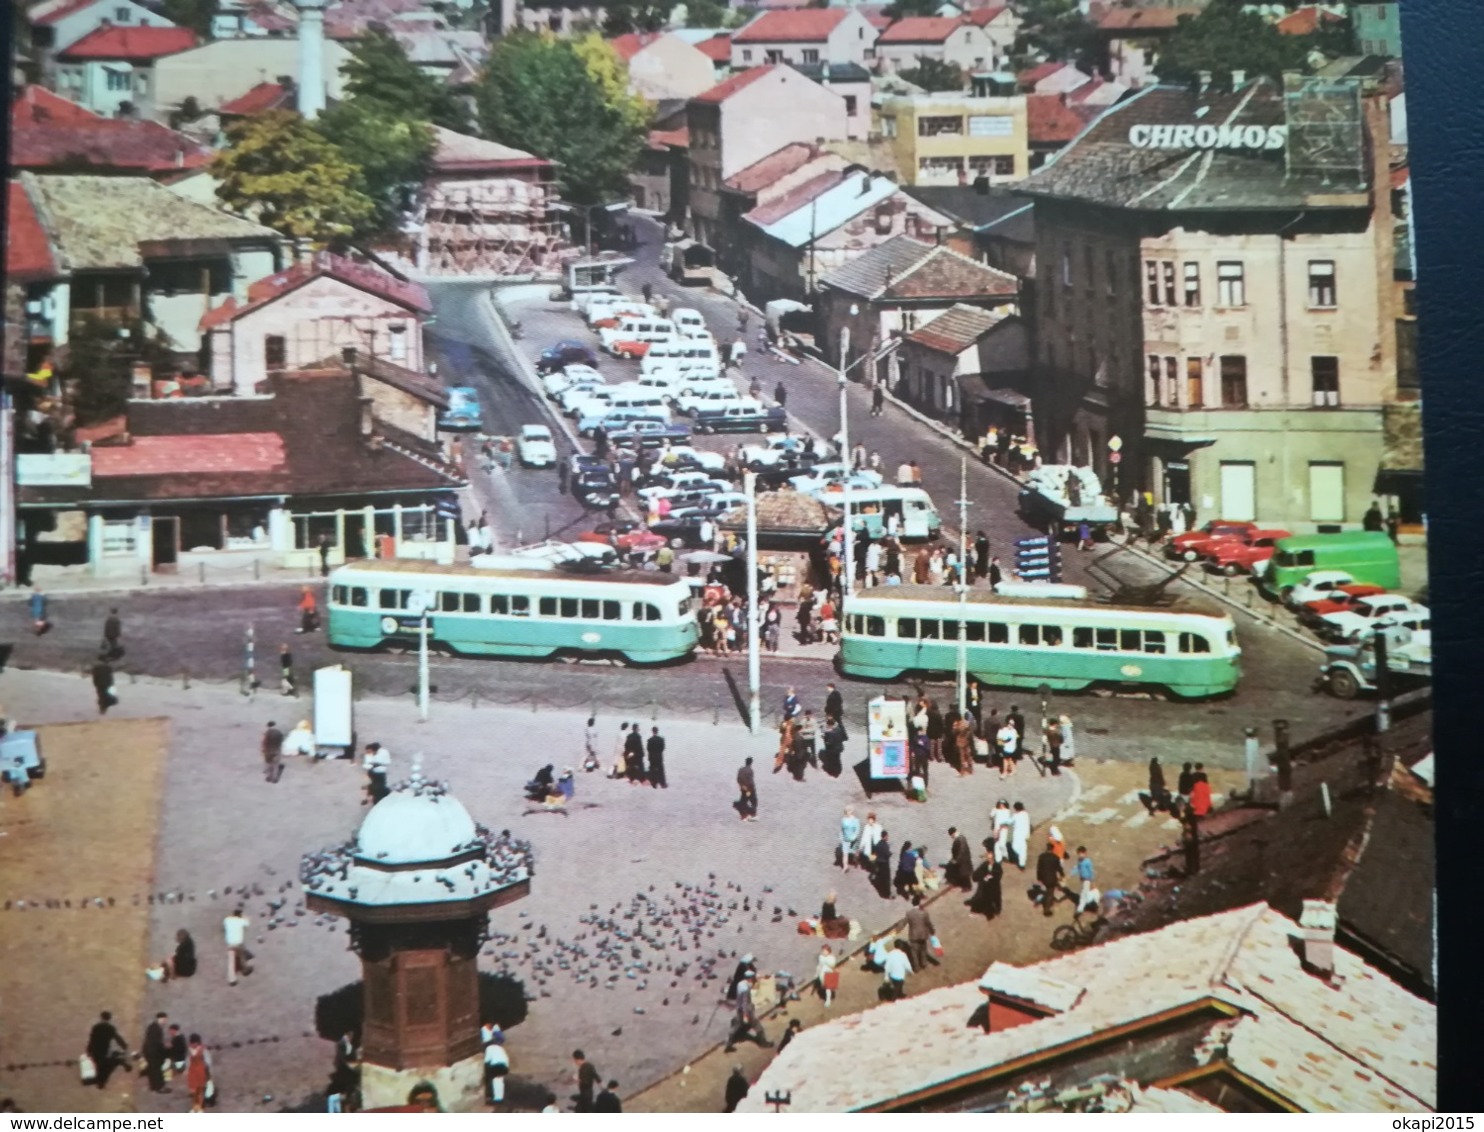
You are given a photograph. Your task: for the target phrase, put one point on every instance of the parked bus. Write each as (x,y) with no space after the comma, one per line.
(1025,642)
(873,509)
(644,618)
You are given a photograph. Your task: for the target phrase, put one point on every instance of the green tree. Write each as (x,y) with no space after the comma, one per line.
(379,72)
(1223,38)
(566,101)
(194,14)
(283,173)
(902,9)
(707,14)
(935,75)
(100,357)
(1055,29)
(624,16)
(395,156)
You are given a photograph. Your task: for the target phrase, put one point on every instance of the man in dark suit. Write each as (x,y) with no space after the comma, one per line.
(656,747)
(834,704)
(101,1040)
(156,1053)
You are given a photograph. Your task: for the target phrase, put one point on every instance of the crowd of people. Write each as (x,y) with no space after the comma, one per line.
(165,1054)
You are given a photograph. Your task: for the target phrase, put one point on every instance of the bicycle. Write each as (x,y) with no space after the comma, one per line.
(1086,926)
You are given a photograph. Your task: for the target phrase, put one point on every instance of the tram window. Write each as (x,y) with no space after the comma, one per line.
(875,627)
(998,634)
(569,607)
(1194,642)
(1107,640)
(520,606)
(358,596)
(643,611)
(1130,640)
(1081,637)
(1051,636)
(686,605)
(499,603)
(547,607)
(612,611)
(974,630)
(950,630)
(449,603)
(907,627)
(1030,634)
(394,599)
(590,607)
(337,595)
(930,630)
(1154,640)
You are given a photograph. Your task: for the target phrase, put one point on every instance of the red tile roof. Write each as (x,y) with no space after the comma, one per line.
(728,87)
(1050,121)
(105,145)
(627,46)
(37,106)
(1143,19)
(28,251)
(795,199)
(192,455)
(62,11)
(799,25)
(769,170)
(352,274)
(137,43)
(1032,75)
(663,139)
(921,29)
(264,96)
(981,16)
(1306,21)
(718,48)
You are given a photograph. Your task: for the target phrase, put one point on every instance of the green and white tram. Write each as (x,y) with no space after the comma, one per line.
(644,618)
(1025,642)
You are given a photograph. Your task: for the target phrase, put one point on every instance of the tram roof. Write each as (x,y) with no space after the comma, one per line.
(942,595)
(415,567)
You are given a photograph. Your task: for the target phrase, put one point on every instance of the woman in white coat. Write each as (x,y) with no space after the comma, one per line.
(1020,834)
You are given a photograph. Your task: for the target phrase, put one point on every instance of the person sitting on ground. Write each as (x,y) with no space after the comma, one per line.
(180,965)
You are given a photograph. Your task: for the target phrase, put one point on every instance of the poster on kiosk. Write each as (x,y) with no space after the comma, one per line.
(886,733)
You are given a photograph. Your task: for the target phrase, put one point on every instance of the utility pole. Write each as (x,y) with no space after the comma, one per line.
(1383,680)
(963,586)
(847,545)
(249,664)
(754,625)
(421,605)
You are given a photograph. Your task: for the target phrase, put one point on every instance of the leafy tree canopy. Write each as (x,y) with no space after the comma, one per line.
(194,14)
(935,75)
(707,14)
(380,72)
(902,9)
(395,156)
(1223,38)
(624,16)
(1056,29)
(99,357)
(567,101)
(283,173)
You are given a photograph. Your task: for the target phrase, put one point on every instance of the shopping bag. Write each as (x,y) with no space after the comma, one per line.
(88,1069)
(936,947)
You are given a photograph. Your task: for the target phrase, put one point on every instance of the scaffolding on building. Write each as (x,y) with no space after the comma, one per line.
(500,226)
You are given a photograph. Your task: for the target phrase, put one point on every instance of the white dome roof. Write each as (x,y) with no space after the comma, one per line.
(411,828)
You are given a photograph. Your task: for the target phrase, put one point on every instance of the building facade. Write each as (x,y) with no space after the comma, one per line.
(1378,28)
(218,72)
(959,42)
(1215,290)
(954,139)
(111,70)
(663,66)
(805,35)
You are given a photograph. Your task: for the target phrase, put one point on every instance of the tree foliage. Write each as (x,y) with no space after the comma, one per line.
(707,14)
(902,9)
(194,14)
(1055,29)
(280,171)
(624,16)
(379,74)
(395,156)
(1224,37)
(935,75)
(567,101)
(100,358)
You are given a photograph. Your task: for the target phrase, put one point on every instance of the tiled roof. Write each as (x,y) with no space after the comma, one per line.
(1032,75)
(1306,21)
(137,43)
(455,151)
(362,276)
(36,106)
(798,25)
(904,268)
(99,223)
(627,46)
(740,81)
(1356,1045)
(979,17)
(264,96)
(718,48)
(768,170)
(796,198)
(1131,21)
(1104,167)
(28,252)
(868,275)
(920,29)
(46,14)
(107,145)
(191,455)
(1383,905)
(956,329)
(663,139)
(1049,120)
(974,209)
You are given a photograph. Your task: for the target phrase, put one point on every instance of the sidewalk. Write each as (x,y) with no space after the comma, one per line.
(59,580)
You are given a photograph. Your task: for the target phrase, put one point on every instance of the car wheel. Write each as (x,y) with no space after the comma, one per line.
(1189,555)
(1343,685)
(767,428)
(1231,569)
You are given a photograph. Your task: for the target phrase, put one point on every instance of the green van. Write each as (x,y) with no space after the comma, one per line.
(1367,556)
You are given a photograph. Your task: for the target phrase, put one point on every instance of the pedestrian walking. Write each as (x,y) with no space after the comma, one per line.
(747,785)
(308,611)
(1086,874)
(234,935)
(587,1077)
(103,687)
(988,897)
(1051,877)
(322,546)
(633,757)
(1007,743)
(878,397)
(1157,798)
(746,1024)
(906,881)
(99,1050)
(200,1078)
(1200,792)
(895,970)
(377,763)
(286,684)
(608,1099)
(39,622)
(960,870)
(647,290)
(113,635)
(1020,834)
(739,351)
(496,1069)
(780,394)
(590,760)
(272,751)
(155,1053)
(850,833)
(919,934)
(806,741)
(737,1088)
(881,858)
(826,977)
(656,749)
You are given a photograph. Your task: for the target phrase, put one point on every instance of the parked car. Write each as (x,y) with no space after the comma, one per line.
(826,477)
(1338,600)
(673,482)
(535,446)
(742,418)
(611,419)
(1365,613)
(595,487)
(650,432)
(1192,545)
(627,536)
(680,457)
(1237,555)
(689,323)
(778,449)
(585,399)
(463,413)
(1318,586)
(632,336)
(684,524)
(725,502)
(721,395)
(553,384)
(565,353)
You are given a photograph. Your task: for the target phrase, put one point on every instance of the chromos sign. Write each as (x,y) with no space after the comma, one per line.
(1207,137)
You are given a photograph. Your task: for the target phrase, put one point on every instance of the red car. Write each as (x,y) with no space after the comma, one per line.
(1192,544)
(1339,601)
(626,538)
(626,348)
(1237,555)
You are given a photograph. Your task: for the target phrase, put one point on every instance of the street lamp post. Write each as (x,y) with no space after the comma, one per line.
(847,564)
(963,585)
(754,658)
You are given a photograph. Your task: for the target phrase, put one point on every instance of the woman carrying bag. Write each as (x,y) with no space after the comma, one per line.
(199,1080)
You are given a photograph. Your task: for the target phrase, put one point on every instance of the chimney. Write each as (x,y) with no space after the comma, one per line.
(1317,931)
(368,418)
(1203,82)
(865,184)
(1239,79)
(311,90)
